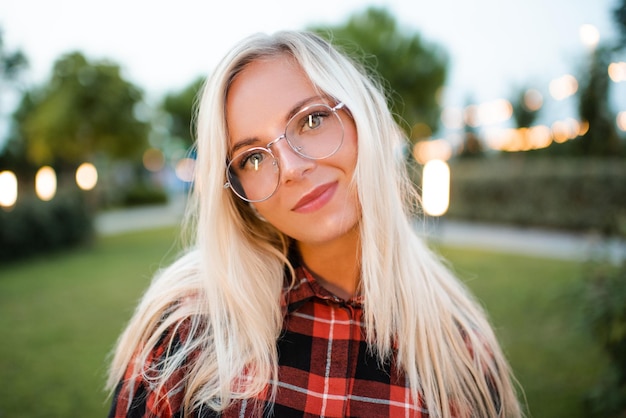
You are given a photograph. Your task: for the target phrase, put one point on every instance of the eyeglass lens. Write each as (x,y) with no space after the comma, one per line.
(316,132)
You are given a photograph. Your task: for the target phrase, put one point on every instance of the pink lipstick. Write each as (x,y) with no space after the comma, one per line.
(316,198)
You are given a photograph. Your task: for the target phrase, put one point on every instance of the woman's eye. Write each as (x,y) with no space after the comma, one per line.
(251,161)
(313,120)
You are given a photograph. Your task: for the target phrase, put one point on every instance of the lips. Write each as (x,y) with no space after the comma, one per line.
(316,198)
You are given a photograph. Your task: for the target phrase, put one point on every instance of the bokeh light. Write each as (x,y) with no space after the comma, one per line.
(46,183)
(488,113)
(8,189)
(452,117)
(521,139)
(617,71)
(185,168)
(563,87)
(153,159)
(560,132)
(86,176)
(573,128)
(438,149)
(584,128)
(621,120)
(589,35)
(535,137)
(436,187)
(495,111)
(539,137)
(533,100)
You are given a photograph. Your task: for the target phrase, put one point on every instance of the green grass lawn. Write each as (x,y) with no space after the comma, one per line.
(532,304)
(60,316)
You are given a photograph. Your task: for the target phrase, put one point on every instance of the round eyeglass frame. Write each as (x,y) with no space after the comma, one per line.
(267,148)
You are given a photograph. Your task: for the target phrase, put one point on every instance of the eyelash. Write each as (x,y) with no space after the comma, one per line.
(246,158)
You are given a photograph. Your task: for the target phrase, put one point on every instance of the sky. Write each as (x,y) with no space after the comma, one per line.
(494,46)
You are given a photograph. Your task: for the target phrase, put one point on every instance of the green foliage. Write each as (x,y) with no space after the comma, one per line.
(86,109)
(601,139)
(571,194)
(604,313)
(11,63)
(34,227)
(180,108)
(619,15)
(13,156)
(144,194)
(414,69)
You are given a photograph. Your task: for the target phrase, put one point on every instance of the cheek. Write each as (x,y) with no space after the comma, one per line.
(268,212)
(349,154)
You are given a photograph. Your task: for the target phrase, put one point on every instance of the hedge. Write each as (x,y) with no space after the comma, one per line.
(143,194)
(33,226)
(559,193)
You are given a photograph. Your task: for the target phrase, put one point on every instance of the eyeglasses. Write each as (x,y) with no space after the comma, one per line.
(315,132)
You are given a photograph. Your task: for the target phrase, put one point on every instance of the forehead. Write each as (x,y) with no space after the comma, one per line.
(263,94)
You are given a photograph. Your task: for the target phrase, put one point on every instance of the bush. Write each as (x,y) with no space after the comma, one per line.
(604,313)
(33,226)
(571,194)
(142,194)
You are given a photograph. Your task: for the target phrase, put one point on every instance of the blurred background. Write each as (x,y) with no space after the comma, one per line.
(515,114)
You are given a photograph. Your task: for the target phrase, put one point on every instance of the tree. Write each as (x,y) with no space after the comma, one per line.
(12,65)
(180,107)
(524,111)
(619,14)
(413,70)
(85,110)
(601,139)
(472,146)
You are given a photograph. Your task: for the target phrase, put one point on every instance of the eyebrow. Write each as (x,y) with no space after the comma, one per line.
(294,110)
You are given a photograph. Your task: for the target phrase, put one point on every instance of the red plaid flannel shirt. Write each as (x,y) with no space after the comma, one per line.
(325,368)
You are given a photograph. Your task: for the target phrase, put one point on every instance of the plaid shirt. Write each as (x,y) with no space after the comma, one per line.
(325,368)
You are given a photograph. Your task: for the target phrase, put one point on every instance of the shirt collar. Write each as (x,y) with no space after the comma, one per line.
(307,288)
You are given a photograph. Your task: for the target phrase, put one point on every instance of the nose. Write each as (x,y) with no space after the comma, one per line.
(293,166)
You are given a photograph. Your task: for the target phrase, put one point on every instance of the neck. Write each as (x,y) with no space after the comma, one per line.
(336,265)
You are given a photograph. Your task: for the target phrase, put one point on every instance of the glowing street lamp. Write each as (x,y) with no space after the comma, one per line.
(86,176)
(46,183)
(436,187)
(8,189)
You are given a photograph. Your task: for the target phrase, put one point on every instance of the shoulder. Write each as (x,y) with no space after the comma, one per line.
(156,377)
(184,268)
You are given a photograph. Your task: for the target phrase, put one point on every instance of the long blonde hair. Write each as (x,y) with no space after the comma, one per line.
(228,283)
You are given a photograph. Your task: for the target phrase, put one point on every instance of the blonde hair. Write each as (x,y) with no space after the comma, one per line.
(228,284)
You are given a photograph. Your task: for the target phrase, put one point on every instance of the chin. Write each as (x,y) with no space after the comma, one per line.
(325,233)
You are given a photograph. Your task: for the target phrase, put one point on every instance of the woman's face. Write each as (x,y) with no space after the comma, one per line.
(314,203)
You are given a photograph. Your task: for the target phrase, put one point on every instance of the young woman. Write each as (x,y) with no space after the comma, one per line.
(306,291)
